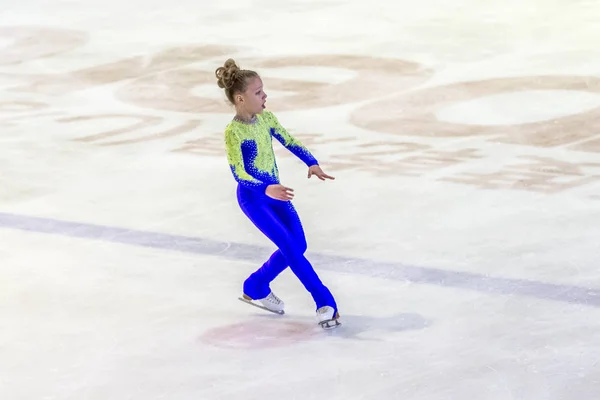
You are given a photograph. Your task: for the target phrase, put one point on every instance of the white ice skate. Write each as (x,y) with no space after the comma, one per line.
(328,317)
(270,303)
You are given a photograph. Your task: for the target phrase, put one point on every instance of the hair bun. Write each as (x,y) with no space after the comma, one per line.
(227,74)
(233,79)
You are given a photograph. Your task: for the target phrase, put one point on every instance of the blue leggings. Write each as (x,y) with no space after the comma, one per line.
(279,221)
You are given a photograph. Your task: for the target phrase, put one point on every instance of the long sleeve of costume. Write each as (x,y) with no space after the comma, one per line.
(238,164)
(289,142)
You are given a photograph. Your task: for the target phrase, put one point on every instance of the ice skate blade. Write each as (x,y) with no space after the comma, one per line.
(260,306)
(331,324)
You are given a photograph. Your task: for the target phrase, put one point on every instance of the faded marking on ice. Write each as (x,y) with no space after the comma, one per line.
(239,251)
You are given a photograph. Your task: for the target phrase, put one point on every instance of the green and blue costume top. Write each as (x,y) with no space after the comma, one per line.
(250,151)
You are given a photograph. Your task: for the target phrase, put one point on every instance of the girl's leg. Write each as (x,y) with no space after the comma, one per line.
(281,224)
(277,263)
(257,284)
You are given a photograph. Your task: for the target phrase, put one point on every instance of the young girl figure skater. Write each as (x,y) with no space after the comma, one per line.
(262,198)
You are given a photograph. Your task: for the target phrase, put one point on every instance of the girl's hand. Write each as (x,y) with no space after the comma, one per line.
(316,170)
(279,192)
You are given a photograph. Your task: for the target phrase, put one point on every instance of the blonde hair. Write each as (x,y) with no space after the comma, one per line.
(233,79)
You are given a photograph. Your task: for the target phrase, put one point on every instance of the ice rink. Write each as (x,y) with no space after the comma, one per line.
(460,237)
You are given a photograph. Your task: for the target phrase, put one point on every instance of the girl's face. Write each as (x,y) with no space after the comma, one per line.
(254,98)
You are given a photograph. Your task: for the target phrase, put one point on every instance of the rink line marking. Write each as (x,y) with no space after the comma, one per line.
(257,254)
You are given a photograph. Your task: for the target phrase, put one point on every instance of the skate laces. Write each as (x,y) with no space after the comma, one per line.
(324,310)
(273,299)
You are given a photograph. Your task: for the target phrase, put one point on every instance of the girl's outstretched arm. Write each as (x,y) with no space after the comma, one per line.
(296,147)
(289,142)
